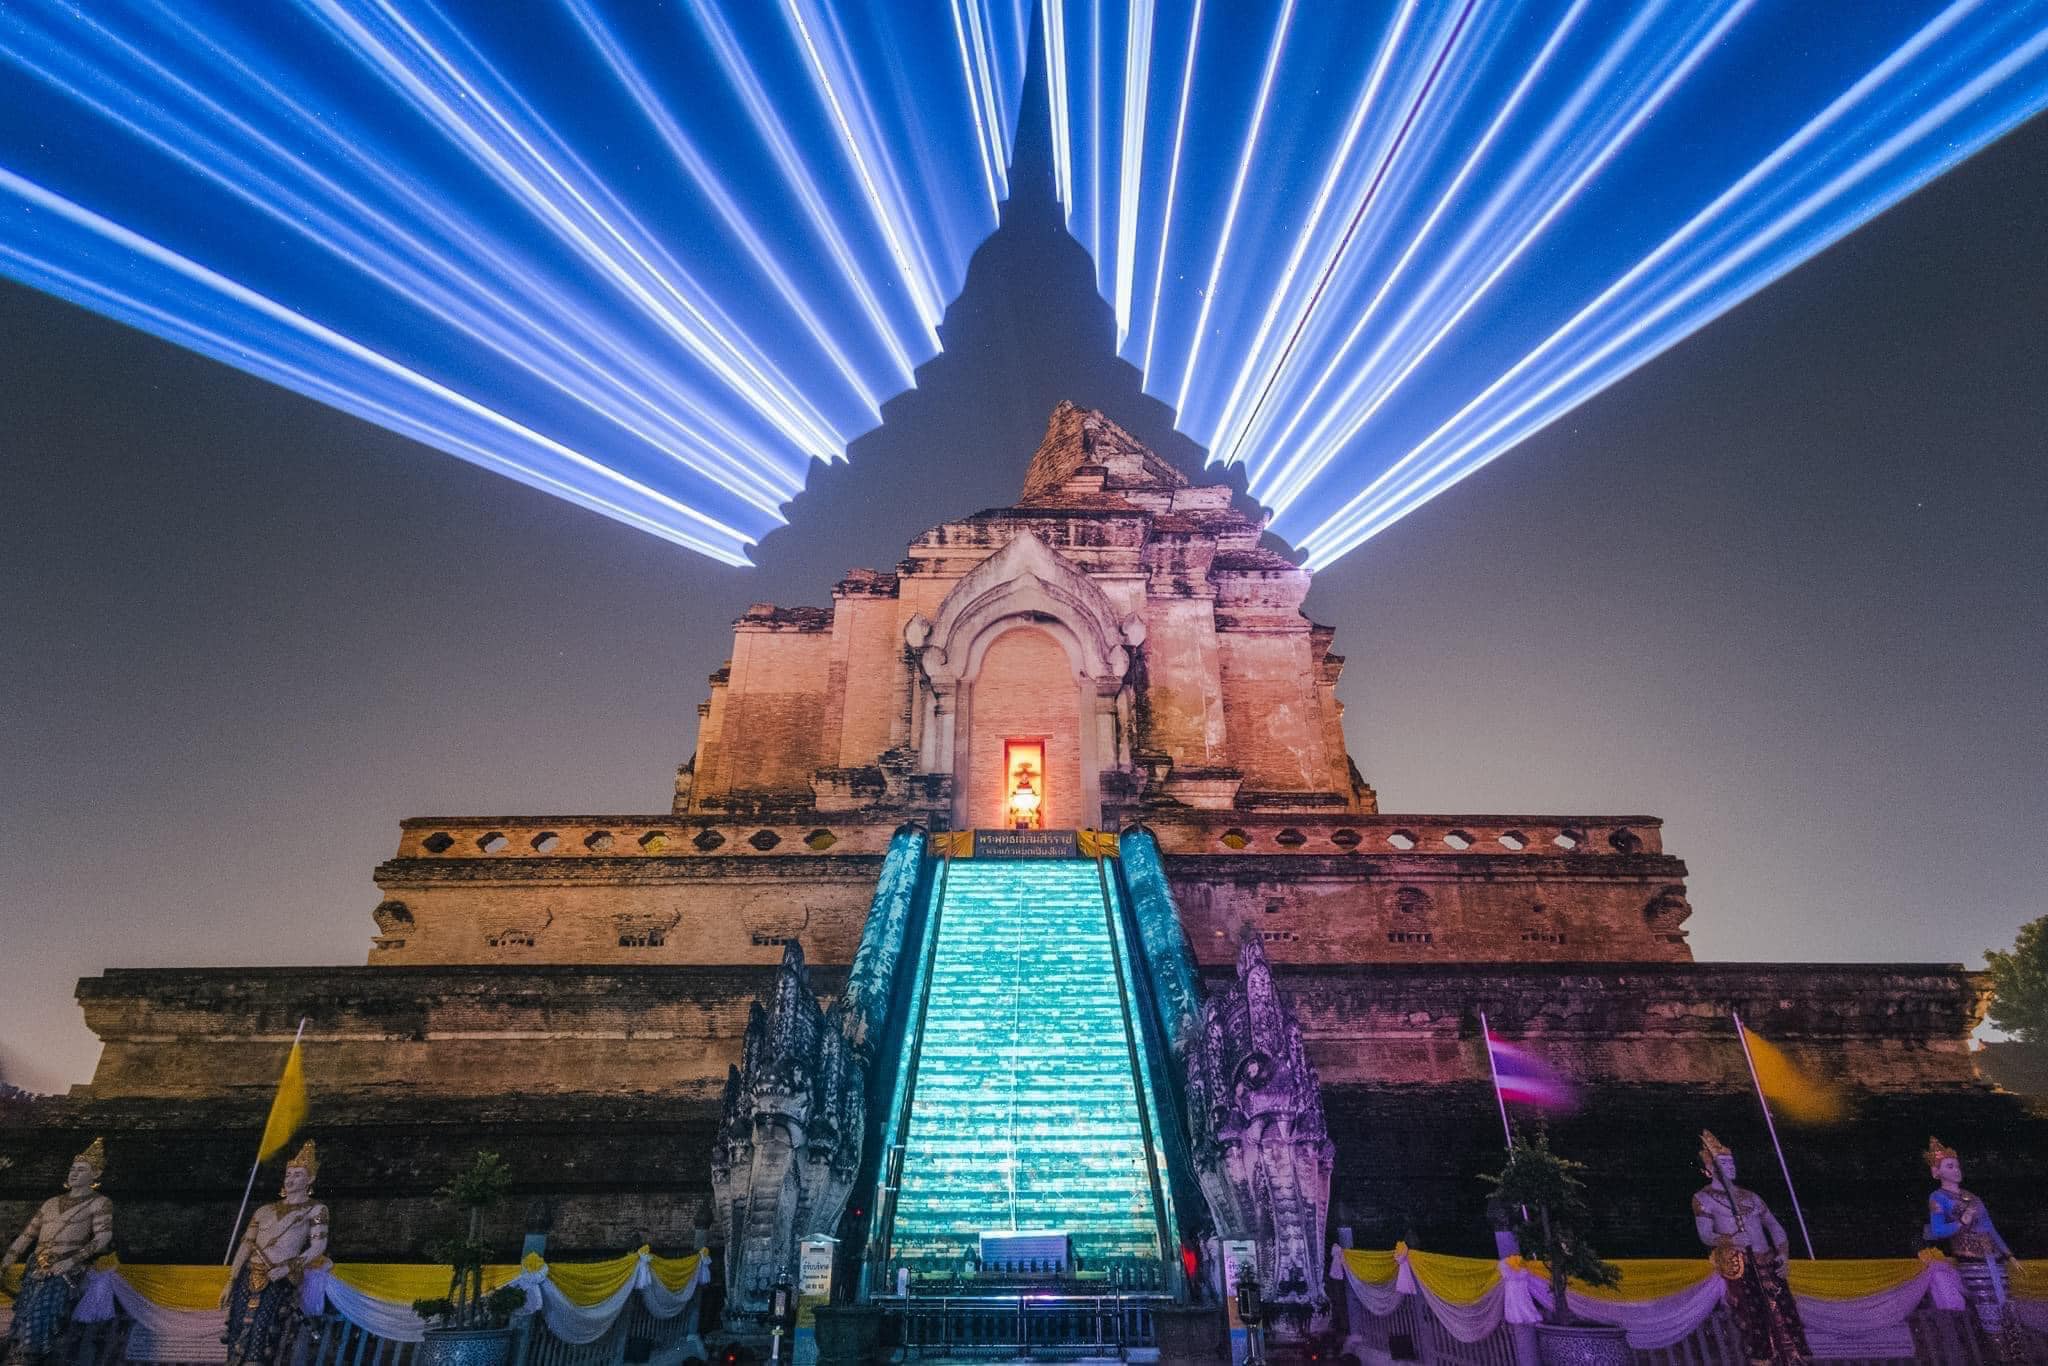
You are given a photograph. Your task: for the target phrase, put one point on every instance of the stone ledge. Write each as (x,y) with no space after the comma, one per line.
(1593,1000)
(1192,865)
(638,870)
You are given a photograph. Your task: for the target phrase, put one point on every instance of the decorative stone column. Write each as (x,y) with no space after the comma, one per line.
(789,1137)
(1261,1146)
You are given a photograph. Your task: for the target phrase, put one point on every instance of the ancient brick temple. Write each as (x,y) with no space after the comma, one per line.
(1117,651)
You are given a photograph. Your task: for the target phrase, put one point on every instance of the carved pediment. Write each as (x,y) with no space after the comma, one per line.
(1027,580)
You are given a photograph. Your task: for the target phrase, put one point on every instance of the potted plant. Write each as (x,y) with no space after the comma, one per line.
(1544,1200)
(467,1327)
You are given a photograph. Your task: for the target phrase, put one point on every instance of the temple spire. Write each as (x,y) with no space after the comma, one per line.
(1078,439)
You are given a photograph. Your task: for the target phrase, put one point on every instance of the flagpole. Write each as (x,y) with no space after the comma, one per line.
(1493,1072)
(235,1233)
(1772,1125)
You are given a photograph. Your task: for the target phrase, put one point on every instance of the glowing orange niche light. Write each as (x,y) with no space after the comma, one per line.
(1024,767)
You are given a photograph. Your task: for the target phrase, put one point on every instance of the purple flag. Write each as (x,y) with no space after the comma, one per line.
(1521,1076)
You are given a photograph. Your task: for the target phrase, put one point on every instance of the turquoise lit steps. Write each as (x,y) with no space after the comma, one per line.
(1024,1068)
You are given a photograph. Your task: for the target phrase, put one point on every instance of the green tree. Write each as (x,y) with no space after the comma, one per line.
(1545,1203)
(470,1196)
(2019,984)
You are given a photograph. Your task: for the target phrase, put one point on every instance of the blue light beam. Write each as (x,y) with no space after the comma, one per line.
(655,260)
(1388,243)
(654,263)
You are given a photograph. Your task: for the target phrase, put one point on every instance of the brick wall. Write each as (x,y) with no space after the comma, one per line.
(600,1084)
(741,917)
(1183,702)
(1026,691)
(1315,910)
(1273,717)
(870,677)
(773,734)
(508,1029)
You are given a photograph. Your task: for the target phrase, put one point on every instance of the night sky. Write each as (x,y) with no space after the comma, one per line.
(1785,587)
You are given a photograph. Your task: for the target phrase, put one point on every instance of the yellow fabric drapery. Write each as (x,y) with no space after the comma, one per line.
(197,1288)
(1374,1268)
(1466,1280)
(178,1287)
(404,1282)
(1454,1280)
(1851,1278)
(2030,1280)
(587,1283)
(673,1274)
(1645,1278)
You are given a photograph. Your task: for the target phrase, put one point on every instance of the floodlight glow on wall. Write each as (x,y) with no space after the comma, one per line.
(656,259)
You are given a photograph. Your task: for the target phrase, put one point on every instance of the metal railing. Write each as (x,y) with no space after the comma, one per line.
(1025,1324)
(636,1338)
(1012,1325)
(1412,1334)
(333,1341)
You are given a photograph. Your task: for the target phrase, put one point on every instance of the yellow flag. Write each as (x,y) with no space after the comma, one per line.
(288,1110)
(1792,1094)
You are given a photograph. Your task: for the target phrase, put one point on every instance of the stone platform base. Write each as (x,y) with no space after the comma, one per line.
(600,1088)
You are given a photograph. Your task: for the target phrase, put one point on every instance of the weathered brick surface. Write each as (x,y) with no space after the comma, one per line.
(774,734)
(741,915)
(1027,692)
(598,1172)
(1871,1026)
(600,1085)
(1183,693)
(1314,903)
(1434,909)
(1229,673)
(435,1032)
(486,1031)
(868,705)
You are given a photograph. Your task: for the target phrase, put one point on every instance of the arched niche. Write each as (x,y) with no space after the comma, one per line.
(1025,586)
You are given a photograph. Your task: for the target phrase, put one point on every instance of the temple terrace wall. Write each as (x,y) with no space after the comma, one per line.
(673,1031)
(601,1083)
(1317,887)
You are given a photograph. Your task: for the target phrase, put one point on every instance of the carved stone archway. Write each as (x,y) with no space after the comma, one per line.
(1025,584)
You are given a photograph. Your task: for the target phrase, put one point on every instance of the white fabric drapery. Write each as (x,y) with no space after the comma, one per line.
(581,1323)
(1650,1324)
(1474,1322)
(163,1325)
(323,1290)
(161,1332)
(1520,1292)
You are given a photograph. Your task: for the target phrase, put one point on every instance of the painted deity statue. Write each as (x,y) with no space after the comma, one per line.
(68,1232)
(283,1239)
(1749,1249)
(1958,1222)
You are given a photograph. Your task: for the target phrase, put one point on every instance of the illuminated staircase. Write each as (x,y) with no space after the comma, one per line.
(1024,1112)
